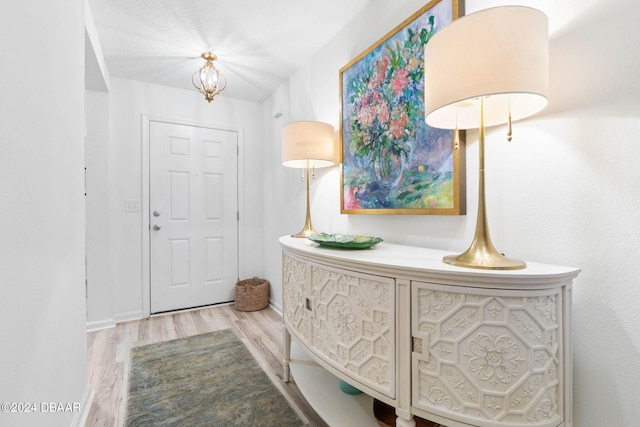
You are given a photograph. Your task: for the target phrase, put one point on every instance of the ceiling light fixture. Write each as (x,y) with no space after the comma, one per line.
(209,78)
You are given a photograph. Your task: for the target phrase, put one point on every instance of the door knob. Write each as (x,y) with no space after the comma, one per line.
(156,227)
(156,213)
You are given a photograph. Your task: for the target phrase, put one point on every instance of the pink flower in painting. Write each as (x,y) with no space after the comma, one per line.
(366,115)
(398,125)
(400,81)
(380,71)
(350,200)
(383,112)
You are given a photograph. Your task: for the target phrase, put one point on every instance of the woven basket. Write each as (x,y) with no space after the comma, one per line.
(252,294)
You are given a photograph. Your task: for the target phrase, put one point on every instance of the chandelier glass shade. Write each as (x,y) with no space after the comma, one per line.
(208,79)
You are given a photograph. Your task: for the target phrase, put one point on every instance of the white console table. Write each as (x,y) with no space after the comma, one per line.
(461,347)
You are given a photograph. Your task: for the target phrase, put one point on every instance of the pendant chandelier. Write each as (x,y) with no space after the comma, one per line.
(208,78)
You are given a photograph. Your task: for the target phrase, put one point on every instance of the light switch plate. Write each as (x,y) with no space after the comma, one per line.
(131,206)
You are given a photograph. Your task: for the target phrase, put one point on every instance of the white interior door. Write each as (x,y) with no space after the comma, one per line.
(193,215)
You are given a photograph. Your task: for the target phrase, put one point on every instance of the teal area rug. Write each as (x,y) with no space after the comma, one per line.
(203,380)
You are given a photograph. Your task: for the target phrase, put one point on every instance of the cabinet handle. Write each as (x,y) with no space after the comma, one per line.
(420,346)
(416,345)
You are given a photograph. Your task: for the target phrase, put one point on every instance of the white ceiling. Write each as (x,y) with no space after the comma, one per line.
(259,43)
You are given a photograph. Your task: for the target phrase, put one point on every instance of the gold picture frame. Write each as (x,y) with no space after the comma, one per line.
(392,162)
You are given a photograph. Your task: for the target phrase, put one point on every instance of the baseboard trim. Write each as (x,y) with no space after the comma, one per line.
(275,308)
(100,324)
(80,418)
(127,317)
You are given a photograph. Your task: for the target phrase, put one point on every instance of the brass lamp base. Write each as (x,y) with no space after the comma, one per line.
(305,232)
(488,260)
(482,253)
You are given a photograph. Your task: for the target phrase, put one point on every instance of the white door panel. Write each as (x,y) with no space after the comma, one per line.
(193,205)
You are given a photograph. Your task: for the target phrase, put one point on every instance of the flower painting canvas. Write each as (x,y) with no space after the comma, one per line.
(392,162)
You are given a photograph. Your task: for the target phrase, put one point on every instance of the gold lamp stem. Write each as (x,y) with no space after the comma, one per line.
(482,253)
(307,230)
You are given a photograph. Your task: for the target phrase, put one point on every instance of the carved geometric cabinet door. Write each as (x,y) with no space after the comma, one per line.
(295,286)
(488,357)
(353,324)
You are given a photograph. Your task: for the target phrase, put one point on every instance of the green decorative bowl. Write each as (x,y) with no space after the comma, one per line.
(344,241)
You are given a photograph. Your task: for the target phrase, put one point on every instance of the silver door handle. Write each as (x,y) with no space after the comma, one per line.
(156,213)
(156,227)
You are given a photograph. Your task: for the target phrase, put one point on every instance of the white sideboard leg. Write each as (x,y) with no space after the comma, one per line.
(403,422)
(286,344)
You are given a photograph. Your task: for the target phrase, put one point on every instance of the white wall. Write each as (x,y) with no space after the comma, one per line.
(564,191)
(42,296)
(129,100)
(98,239)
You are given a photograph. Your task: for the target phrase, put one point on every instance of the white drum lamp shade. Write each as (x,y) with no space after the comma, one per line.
(308,144)
(501,54)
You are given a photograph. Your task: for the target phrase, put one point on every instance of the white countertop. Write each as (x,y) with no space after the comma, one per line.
(418,263)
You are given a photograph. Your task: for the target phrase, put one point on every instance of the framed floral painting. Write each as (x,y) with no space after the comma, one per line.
(392,162)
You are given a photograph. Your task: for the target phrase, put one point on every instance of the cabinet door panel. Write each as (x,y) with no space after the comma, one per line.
(353,324)
(488,357)
(295,275)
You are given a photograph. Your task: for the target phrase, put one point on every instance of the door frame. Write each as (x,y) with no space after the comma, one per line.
(145,213)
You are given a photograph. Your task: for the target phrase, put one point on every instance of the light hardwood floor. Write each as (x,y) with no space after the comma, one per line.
(108,352)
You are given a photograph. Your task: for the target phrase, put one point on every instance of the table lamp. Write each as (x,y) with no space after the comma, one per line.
(308,145)
(484,69)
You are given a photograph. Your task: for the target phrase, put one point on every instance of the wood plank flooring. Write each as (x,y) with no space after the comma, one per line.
(108,352)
